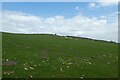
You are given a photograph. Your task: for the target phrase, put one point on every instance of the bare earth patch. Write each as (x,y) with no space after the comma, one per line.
(9,63)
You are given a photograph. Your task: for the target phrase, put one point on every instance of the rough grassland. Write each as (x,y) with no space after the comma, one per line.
(47,56)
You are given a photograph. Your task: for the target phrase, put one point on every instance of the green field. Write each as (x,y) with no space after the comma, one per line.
(51,56)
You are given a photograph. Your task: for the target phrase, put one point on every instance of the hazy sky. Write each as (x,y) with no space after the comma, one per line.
(87,19)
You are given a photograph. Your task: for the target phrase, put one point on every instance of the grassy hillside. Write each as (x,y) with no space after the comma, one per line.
(46,56)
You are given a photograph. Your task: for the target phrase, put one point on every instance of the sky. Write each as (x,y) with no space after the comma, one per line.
(97,20)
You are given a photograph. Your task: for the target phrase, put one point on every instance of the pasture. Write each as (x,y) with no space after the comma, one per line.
(52,56)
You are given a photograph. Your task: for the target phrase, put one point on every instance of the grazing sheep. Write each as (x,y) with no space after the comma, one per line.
(66,37)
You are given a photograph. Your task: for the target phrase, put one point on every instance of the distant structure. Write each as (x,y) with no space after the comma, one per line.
(55,34)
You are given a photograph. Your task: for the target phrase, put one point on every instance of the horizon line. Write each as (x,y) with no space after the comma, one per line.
(89,38)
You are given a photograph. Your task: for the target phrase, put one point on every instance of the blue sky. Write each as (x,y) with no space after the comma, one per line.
(85,19)
(58,8)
